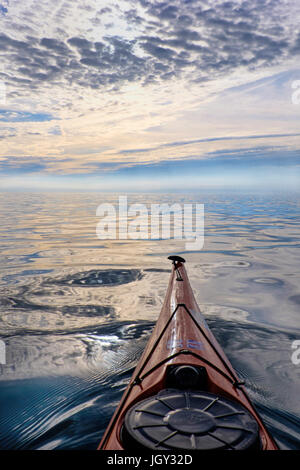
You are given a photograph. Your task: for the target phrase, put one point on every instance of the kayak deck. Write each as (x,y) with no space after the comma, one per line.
(184,394)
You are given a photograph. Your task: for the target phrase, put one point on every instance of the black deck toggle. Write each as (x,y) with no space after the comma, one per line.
(176,258)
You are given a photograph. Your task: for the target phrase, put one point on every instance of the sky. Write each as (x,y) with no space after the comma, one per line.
(149,95)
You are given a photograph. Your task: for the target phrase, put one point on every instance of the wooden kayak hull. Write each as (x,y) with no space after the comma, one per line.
(180,337)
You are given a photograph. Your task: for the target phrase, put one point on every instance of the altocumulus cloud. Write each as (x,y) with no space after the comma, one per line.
(161,41)
(79,75)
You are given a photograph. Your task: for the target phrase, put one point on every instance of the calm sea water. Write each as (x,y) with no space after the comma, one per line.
(76,312)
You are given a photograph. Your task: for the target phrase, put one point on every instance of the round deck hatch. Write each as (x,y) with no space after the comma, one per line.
(187,420)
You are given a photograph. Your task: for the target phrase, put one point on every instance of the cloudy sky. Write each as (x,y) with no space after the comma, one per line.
(149,94)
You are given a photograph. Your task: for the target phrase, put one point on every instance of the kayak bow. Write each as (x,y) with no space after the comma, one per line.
(184,393)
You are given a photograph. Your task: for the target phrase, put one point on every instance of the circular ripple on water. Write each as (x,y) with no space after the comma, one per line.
(89,310)
(106,277)
(268,281)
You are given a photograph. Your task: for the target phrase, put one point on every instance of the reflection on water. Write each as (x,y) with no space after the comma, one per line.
(107,277)
(76,312)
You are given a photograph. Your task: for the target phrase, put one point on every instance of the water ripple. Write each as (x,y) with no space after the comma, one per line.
(76,312)
(109,277)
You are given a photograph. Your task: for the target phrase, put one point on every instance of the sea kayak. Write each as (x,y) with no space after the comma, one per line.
(184,394)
